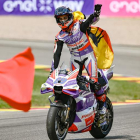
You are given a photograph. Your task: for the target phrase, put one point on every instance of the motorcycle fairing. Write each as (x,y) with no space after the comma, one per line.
(68,82)
(47,86)
(85,100)
(82,122)
(86,103)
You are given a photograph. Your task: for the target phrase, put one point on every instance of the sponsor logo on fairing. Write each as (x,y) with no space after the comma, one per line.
(72,82)
(87,115)
(90,99)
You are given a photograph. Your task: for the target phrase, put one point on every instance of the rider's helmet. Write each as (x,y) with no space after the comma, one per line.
(65,24)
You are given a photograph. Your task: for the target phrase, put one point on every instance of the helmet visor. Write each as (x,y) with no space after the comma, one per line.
(63,18)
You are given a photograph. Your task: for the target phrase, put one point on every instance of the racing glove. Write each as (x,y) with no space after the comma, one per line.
(97,10)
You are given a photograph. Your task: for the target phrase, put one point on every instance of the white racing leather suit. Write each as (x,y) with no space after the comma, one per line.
(80,48)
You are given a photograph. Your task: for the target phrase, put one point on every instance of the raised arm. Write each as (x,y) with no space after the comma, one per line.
(92,19)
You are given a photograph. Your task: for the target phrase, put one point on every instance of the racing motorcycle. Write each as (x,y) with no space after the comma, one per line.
(74,108)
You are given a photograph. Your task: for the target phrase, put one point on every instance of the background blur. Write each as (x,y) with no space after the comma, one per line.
(31,22)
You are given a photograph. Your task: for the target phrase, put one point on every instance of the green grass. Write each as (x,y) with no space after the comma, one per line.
(123,90)
(39,99)
(119,91)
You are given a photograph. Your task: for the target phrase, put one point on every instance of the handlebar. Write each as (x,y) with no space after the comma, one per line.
(84,79)
(95,85)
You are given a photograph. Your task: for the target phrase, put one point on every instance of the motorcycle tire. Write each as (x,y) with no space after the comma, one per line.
(102,131)
(51,124)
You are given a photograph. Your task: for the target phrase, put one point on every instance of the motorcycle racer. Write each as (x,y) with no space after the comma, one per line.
(74,33)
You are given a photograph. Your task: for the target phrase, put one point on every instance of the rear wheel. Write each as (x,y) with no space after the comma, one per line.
(101,132)
(56,127)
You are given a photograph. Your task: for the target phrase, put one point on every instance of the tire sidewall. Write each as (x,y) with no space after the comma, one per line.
(97,132)
(50,123)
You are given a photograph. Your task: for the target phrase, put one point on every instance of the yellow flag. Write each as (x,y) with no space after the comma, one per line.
(103,48)
(103,51)
(78,15)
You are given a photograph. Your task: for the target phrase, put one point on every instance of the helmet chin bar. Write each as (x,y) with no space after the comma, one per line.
(64,25)
(62,22)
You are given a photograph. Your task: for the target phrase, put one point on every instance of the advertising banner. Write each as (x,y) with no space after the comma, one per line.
(43,7)
(120,7)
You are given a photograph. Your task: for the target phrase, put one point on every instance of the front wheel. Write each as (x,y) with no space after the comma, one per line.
(56,127)
(102,131)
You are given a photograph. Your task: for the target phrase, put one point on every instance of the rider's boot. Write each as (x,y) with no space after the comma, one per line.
(102,109)
(101,98)
(102,114)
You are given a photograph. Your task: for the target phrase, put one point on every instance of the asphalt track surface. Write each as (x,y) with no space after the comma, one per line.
(32,125)
(126,58)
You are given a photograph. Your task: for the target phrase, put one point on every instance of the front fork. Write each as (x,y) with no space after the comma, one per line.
(61,105)
(68,109)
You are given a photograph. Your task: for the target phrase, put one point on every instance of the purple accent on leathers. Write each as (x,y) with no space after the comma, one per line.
(100,92)
(86,51)
(63,36)
(74,38)
(83,52)
(109,75)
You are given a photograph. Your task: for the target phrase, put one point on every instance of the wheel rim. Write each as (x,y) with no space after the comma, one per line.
(109,118)
(60,128)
